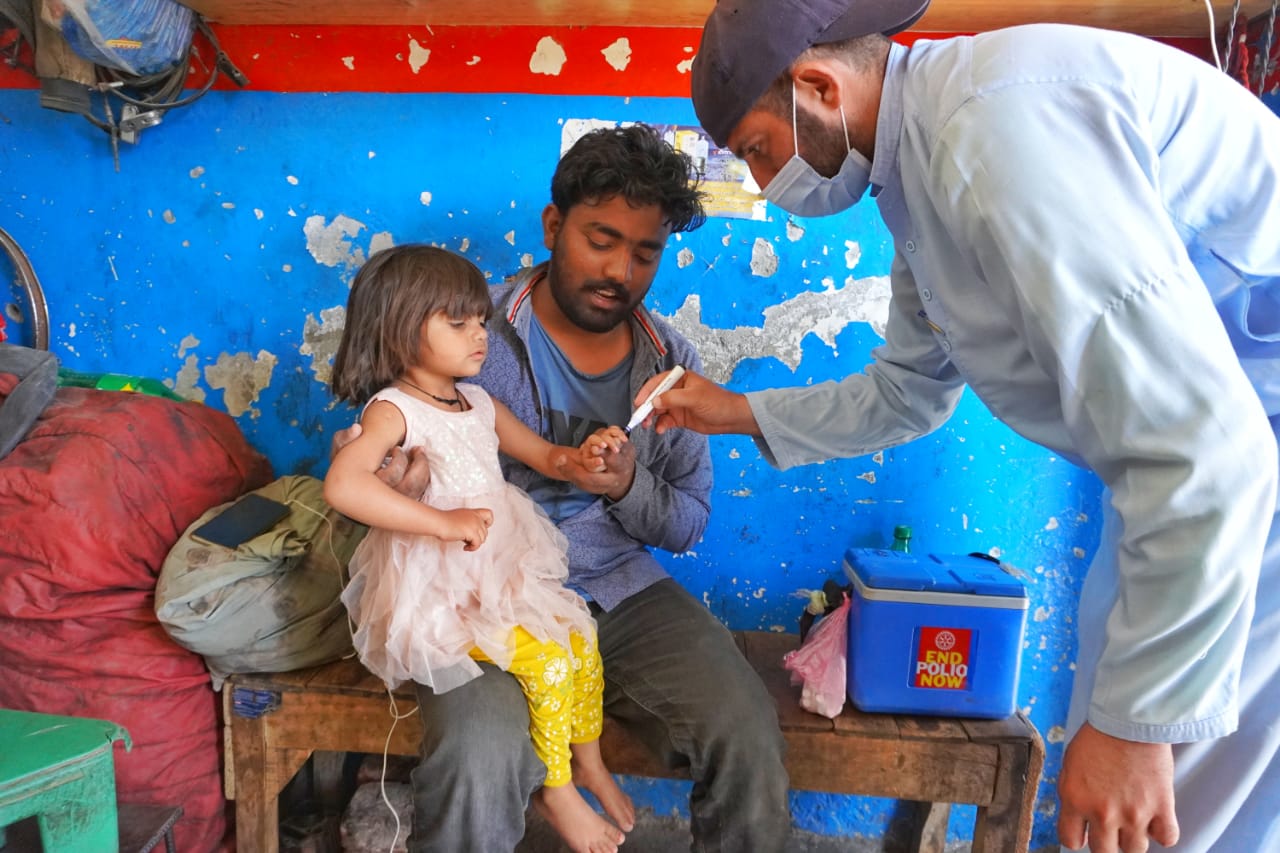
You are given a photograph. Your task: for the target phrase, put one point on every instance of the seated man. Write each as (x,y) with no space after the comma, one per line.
(570,345)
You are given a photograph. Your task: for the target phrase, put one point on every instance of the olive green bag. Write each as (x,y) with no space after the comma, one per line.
(271,604)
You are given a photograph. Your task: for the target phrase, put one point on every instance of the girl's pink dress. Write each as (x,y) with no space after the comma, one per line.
(420,604)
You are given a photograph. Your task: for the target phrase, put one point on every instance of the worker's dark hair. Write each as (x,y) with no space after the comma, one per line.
(861,53)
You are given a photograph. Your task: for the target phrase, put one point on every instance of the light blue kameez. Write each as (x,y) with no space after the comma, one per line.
(1087,233)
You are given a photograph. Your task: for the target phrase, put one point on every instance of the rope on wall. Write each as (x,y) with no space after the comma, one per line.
(1266,65)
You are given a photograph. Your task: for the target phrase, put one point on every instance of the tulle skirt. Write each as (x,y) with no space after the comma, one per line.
(420,605)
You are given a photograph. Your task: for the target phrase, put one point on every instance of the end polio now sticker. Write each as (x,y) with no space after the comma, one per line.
(942,658)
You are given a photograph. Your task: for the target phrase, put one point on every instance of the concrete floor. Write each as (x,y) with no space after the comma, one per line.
(655,834)
(368,827)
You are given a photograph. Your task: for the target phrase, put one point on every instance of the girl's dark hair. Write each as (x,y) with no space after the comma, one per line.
(394,293)
(633,162)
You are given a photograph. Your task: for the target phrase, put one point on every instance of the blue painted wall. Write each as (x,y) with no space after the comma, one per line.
(214,258)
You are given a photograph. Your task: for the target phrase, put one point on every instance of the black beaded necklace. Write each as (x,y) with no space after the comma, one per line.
(448,401)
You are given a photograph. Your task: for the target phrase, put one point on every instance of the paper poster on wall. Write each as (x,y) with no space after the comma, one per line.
(731,192)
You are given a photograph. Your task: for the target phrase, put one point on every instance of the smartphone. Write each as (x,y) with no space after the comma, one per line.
(248,517)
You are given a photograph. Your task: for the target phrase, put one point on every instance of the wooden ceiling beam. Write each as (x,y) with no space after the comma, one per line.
(1160,18)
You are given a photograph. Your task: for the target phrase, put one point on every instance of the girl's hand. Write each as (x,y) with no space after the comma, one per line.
(604,440)
(469,526)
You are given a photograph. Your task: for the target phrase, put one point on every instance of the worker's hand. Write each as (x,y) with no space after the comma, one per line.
(699,404)
(613,480)
(466,525)
(1116,794)
(407,473)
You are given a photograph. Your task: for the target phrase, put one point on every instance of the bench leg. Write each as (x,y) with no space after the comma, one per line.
(929,828)
(261,773)
(1005,825)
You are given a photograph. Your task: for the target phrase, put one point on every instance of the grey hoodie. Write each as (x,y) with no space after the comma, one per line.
(669,501)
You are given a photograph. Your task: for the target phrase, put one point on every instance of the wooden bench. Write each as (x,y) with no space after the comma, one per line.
(276,720)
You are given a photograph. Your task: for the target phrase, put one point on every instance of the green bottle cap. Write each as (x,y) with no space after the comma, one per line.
(902,531)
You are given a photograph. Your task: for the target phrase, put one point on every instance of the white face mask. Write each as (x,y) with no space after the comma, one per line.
(798,189)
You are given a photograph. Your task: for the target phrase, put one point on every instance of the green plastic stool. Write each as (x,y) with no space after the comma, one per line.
(61,771)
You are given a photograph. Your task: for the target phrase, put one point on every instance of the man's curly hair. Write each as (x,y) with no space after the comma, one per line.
(633,162)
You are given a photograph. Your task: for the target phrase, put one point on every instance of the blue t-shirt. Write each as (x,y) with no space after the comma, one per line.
(574,405)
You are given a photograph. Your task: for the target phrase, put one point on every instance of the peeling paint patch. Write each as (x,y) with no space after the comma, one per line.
(292,180)
(184,384)
(1079,552)
(1042,614)
(684,258)
(330,244)
(548,58)
(878,457)
(320,341)
(187,343)
(1056,734)
(258,213)
(196,172)
(526,261)
(852,254)
(869,476)
(475,60)
(418,55)
(510,237)
(424,197)
(241,378)
(684,66)
(794,231)
(350,62)
(618,54)
(1052,524)
(824,314)
(764,263)
(168,217)
(381,240)
(465,244)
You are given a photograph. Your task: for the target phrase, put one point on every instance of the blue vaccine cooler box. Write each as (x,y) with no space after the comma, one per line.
(933,634)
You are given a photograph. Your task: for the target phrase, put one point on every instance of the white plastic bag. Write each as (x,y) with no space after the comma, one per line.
(820,664)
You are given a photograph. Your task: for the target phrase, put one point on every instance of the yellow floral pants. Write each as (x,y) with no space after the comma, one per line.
(565,693)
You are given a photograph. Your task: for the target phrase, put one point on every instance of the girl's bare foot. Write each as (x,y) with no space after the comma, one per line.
(589,772)
(576,822)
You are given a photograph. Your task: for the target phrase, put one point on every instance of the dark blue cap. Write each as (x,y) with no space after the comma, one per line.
(746,44)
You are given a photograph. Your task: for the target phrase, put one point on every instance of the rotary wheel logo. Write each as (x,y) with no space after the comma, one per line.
(945,641)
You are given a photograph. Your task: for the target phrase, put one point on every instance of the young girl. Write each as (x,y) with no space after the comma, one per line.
(474,571)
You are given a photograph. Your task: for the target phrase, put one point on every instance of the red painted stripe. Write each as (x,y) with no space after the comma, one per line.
(462,59)
(465,59)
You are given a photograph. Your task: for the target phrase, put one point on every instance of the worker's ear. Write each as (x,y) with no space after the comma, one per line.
(818,85)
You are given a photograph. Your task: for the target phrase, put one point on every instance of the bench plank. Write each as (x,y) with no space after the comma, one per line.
(279,719)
